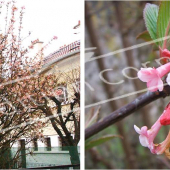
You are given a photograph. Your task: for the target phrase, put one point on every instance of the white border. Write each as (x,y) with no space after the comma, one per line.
(82,83)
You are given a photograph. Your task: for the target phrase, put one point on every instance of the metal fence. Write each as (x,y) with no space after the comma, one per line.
(40,159)
(40,166)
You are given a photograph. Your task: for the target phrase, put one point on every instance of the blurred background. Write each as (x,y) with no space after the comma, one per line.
(112,26)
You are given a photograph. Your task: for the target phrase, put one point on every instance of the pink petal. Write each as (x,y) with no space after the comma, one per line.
(153,84)
(154,130)
(165,117)
(144,141)
(144,130)
(163,70)
(146,74)
(166,53)
(137,129)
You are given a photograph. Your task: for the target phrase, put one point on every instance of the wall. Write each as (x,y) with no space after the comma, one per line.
(48,158)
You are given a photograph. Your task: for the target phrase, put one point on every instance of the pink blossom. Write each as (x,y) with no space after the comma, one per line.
(153,76)
(20,27)
(55,37)
(146,137)
(31,47)
(14,8)
(165,117)
(35,41)
(165,53)
(12,20)
(23,7)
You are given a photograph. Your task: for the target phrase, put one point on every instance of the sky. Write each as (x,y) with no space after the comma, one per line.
(48,18)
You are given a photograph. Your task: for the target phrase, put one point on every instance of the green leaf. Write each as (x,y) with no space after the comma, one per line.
(99,141)
(150,17)
(144,36)
(163,21)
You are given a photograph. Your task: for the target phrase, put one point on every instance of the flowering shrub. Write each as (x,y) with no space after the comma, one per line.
(18,70)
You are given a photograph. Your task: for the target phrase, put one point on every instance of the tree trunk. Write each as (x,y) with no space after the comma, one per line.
(113,105)
(5,157)
(74,156)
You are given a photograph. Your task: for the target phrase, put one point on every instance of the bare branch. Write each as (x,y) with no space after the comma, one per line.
(126,110)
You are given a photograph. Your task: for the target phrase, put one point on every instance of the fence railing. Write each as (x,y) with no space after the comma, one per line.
(63,51)
(31,159)
(77,166)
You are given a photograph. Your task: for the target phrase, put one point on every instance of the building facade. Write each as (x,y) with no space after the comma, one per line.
(64,62)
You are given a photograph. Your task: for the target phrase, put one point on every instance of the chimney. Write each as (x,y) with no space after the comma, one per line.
(38,46)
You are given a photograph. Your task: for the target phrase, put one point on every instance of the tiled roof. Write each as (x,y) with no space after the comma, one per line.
(75,46)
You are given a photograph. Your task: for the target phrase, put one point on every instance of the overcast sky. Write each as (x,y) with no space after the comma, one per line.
(48,18)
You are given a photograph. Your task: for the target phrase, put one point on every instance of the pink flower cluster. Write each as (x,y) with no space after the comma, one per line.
(153,78)
(146,137)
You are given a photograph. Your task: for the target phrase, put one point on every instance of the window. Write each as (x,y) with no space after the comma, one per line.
(48,143)
(35,144)
(62,144)
(62,94)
